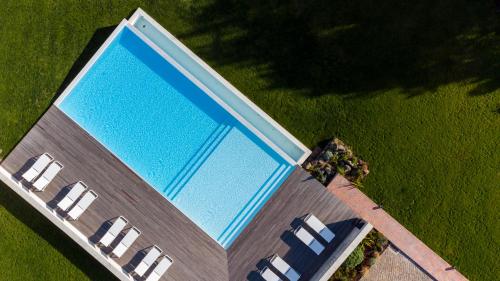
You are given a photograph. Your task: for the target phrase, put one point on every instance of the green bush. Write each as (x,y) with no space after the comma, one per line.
(355,258)
(371,261)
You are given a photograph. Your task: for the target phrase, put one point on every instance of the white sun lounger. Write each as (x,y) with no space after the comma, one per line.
(37,167)
(72,196)
(268,275)
(126,242)
(47,176)
(160,269)
(148,260)
(309,240)
(284,268)
(313,222)
(113,231)
(82,205)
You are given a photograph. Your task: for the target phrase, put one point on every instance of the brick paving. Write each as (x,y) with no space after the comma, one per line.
(394,266)
(403,239)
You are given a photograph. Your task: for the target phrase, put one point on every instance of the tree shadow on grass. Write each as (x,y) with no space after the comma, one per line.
(96,41)
(359,46)
(47,231)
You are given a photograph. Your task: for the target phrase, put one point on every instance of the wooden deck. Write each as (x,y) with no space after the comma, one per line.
(270,231)
(196,256)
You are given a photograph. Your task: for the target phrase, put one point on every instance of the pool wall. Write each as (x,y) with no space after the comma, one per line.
(268,128)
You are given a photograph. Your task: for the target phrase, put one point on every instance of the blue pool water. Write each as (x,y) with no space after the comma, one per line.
(179,140)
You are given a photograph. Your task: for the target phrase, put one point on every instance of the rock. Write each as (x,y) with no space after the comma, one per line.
(327,155)
(329,170)
(308,166)
(365,169)
(347,169)
(340,148)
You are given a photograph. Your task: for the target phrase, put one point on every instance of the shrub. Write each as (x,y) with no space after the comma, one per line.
(371,261)
(337,158)
(364,269)
(355,258)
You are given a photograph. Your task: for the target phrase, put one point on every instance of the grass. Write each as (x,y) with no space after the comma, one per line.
(413,87)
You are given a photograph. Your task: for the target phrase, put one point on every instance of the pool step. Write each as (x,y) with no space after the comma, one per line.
(196,161)
(253,205)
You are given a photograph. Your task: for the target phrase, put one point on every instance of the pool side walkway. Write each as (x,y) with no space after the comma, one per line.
(403,239)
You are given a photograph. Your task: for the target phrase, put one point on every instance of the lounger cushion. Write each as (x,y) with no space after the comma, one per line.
(148,260)
(309,240)
(269,275)
(313,222)
(37,167)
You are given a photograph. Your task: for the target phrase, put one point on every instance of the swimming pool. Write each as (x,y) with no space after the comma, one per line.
(175,136)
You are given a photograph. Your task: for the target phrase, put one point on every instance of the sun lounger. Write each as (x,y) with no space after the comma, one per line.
(72,196)
(47,176)
(160,269)
(37,167)
(147,261)
(82,205)
(126,242)
(309,240)
(113,231)
(313,222)
(268,275)
(284,268)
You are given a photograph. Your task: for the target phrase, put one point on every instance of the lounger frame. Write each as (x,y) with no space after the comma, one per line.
(317,225)
(303,235)
(284,268)
(82,205)
(126,242)
(72,196)
(148,260)
(114,230)
(267,274)
(163,265)
(37,167)
(47,176)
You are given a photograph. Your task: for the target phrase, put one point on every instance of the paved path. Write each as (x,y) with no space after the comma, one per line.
(394,266)
(393,230)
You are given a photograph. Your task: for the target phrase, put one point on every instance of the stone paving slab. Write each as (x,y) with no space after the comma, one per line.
(395,266)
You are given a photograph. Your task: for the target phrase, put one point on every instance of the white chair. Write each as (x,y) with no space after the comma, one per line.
(126,242)
(72,196)
(37,167)
(160,269)
(113,231)
(47,176)
(313,222)
(284,268)
(268,275)
(148,260)
(309,240)
(82,205)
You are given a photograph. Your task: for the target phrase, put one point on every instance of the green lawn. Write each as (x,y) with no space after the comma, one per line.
(413,87)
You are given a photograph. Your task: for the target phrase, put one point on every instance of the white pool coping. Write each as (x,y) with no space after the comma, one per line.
(63,225)
(129,24)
